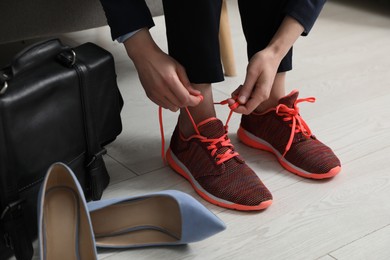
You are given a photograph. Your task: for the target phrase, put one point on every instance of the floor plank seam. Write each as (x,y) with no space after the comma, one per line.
(284,187)
(123,165)
(158,169)
(351,242)
(364,155)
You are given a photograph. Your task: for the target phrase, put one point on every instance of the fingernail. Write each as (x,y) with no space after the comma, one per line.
(242,99)
(201,98)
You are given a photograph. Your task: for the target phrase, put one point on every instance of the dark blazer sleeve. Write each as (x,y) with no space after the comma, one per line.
(305,12)
(124,16)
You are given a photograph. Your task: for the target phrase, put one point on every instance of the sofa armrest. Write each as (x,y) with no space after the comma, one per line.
(26,19)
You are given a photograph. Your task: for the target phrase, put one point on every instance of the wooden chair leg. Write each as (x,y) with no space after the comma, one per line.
(225,43)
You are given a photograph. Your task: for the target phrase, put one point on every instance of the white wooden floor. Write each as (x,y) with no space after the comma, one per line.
(345,64)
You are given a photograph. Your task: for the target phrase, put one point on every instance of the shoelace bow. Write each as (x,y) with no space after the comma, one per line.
(298,125)
(214,143)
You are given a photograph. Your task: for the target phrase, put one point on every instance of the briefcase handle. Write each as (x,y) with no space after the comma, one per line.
(30,57)
(37,54)
(34,55)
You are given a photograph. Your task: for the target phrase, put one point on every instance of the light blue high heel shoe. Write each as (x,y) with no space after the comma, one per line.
(162,218)
(65,230)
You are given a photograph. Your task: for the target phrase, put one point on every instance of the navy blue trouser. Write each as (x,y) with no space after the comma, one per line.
(193,27)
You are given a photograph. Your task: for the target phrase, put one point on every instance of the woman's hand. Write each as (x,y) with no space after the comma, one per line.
(263,66)
(163,78)
(260,76)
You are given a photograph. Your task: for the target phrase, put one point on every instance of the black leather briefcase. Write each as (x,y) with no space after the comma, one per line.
(56,104)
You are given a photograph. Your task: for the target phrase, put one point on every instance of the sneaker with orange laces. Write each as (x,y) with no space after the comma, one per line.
(216,171)
(282,131)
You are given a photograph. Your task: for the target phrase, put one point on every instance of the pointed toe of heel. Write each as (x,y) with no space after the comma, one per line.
(154,219)
(198,223)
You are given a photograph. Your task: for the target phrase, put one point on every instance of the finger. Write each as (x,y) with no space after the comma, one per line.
(234,96)
(245,109)
(241,109)
(249,83)
(193,91)
(259,95)
(231,101)
(174,99)
(181,73)
(195,100)
(195,95)
(165,103)
(180,96)
(183,94)
(251,105)
(234,105)
(180,87)
(236,92)
(170,105)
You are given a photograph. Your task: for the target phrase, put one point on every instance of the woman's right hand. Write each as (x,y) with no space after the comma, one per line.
(162,77)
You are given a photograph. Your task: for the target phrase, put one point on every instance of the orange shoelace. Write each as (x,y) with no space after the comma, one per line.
(214,144)
(298,125)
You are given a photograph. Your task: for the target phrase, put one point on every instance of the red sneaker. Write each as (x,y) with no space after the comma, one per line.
(215,170)
(282,131)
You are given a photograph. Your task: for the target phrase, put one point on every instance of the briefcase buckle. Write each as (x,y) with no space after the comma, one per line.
(4,88)
(66,59)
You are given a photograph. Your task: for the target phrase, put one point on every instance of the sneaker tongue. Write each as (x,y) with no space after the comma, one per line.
(211,128)
(289,99)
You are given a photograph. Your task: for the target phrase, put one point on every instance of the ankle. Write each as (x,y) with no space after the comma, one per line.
(277,92)
(185,124)
(198,113)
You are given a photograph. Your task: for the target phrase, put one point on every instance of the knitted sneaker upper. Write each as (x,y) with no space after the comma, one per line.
(284,129)
(232,180)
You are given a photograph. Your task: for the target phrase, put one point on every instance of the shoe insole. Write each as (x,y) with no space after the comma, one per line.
(60,224)
(139,222)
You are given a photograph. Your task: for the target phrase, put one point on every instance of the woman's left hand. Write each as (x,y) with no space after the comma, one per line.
(260,76)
